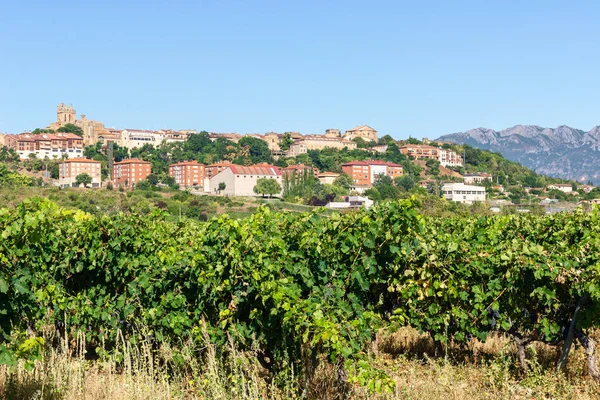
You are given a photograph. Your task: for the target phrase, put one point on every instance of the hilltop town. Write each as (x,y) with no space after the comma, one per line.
(336,169)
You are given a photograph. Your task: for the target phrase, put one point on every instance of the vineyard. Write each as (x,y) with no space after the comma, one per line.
(290,286)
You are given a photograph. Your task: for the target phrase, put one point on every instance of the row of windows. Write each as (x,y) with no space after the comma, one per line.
(463,192)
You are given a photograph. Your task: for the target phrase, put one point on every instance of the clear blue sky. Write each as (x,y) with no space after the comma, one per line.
(420,68)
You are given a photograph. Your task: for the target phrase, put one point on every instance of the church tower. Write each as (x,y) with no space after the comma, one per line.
(65,114)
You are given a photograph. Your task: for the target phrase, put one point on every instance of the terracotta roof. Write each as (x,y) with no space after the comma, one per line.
(329,174)
(358,128)
(139,130)
(255,170)
(221,164)
(69,160)
(132,161)
(194,162)
(371,162)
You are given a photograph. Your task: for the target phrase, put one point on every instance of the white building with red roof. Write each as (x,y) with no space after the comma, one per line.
(52,145)
(240,180)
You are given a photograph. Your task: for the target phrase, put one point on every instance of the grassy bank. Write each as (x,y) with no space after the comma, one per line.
(487,371)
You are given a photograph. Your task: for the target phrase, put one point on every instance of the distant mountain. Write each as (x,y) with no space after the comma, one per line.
(563,152)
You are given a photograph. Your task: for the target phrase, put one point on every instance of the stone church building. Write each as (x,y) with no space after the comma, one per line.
(91,129)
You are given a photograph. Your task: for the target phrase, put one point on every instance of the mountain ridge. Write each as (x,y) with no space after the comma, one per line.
(562,152)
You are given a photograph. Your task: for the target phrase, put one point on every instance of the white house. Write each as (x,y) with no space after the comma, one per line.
(476,178)
(240,180)
(563,187)
(462,193)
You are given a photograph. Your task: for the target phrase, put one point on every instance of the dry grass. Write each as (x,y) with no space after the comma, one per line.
(481,371)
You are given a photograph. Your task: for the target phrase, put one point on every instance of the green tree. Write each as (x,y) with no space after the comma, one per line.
(39,131)
(257,149)
(152,179)
(405,181)
(286,142)
(70,128)
(83,179)
(344,181)
(198,142)
(267,186)
(222,186)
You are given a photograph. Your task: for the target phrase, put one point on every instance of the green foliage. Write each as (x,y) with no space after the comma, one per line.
(284,282)
(405,182)
(71,128)
(286,142)
(344,181)
(257,150)
(83,179)
(10,178)
(267,186)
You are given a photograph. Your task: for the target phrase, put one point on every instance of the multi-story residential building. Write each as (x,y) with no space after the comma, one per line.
(446,157)
(240,180)
(51,145)
(462,193)
(449,158)
(318,142)
(364,173)
(70,169)
(563,187)
(364,131)
(188,173)
(213,169)
(476,178)
(420,151)
(128,173)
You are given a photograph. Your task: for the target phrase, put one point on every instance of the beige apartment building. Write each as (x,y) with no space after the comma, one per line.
(476,178)
(364,131)
(446,157)
(128,173)
(188,173)
(68,170)
(318,142)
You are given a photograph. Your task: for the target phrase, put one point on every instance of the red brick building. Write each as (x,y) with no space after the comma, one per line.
(131,171)
(188,173)
(364,173)
(213,169)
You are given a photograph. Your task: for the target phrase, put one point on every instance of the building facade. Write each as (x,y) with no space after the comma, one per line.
(188,173)
(450,158)
(327,177)
(67,115)
(462,193)
(318,142)
(563,187)
(51,145)
(240,180)
(446,157)
(476,178)
(128,173)
(68,170)
(364,131)
(364,173)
